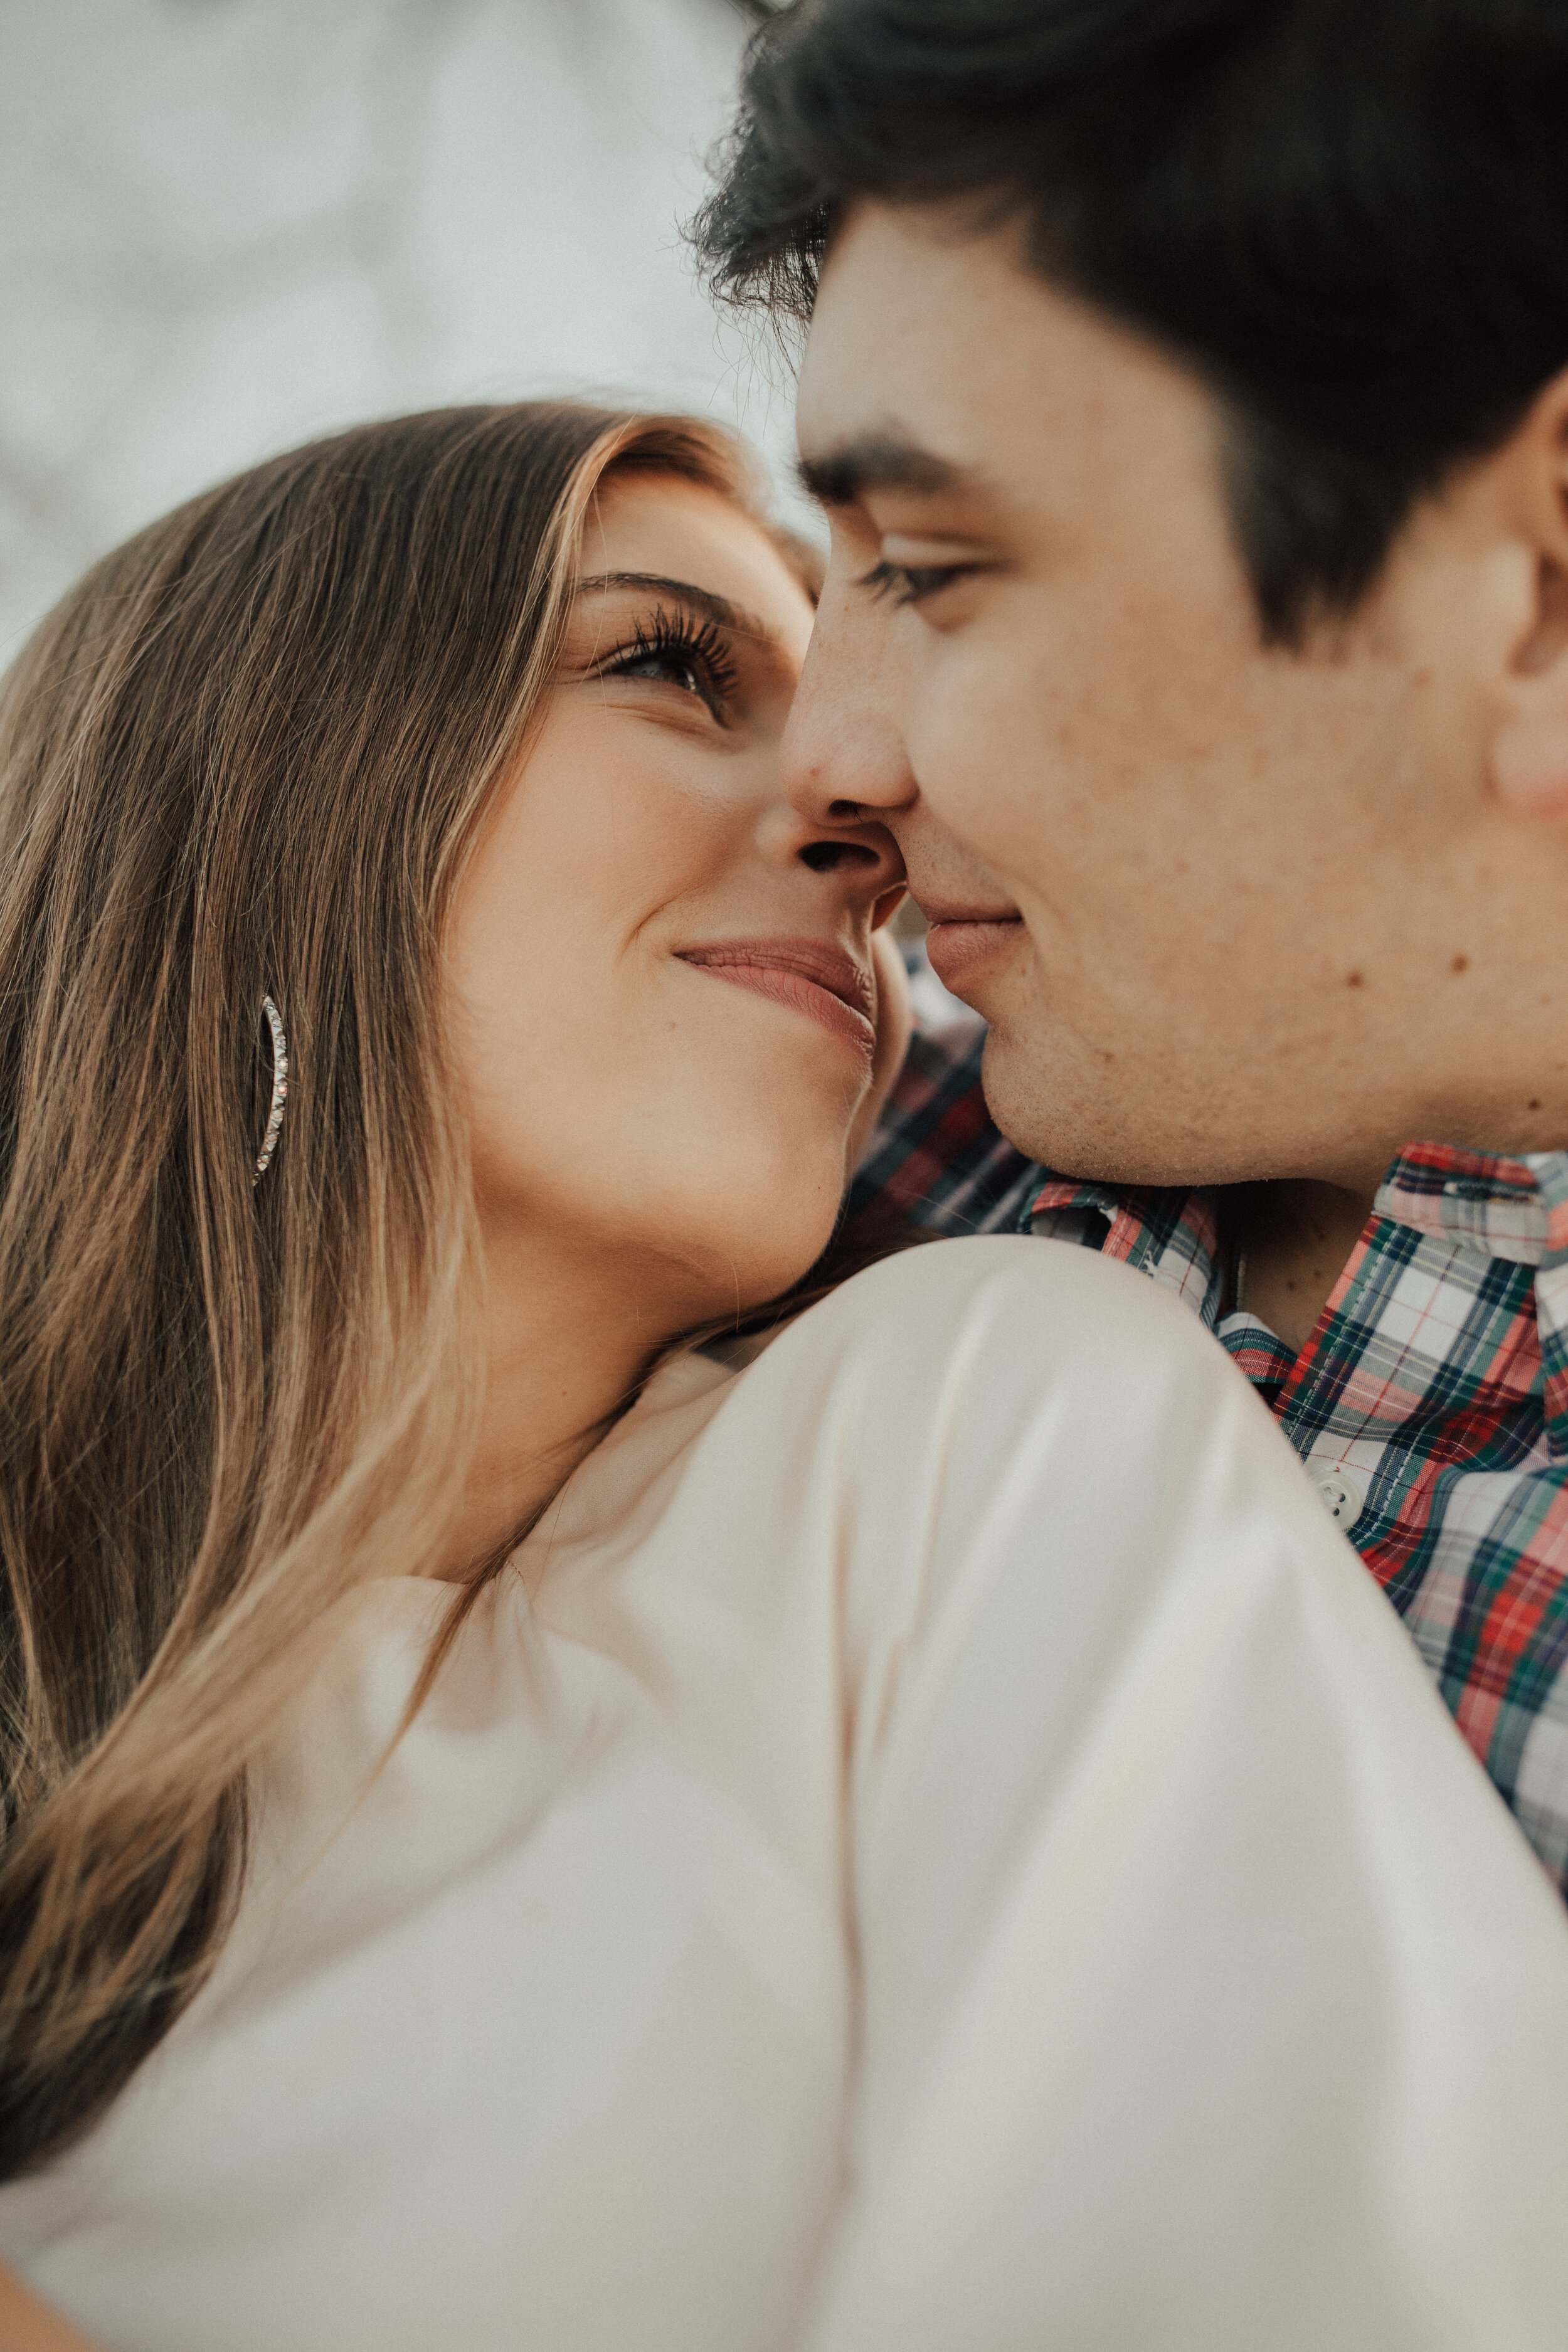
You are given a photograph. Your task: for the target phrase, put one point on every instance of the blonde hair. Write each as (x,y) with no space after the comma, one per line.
(246,756)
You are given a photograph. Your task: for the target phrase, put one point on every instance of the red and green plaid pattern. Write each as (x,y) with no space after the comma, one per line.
(935,1156)
(1430,1404)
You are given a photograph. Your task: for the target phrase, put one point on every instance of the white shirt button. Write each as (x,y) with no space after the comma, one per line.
(1343,1493)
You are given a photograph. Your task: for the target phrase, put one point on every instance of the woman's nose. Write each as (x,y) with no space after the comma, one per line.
(865,851)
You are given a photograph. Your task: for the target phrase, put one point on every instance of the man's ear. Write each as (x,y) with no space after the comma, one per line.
(1528,754)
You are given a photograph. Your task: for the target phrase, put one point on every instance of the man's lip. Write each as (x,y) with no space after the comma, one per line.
(806,974)
(962,939)
(949,911)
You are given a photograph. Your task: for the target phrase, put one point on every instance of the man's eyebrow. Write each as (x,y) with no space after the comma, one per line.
(876,461)
(704,600)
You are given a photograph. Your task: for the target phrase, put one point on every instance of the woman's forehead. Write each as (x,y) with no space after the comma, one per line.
(660,528)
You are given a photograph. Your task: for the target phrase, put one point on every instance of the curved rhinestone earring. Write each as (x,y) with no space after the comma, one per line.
(280,1087)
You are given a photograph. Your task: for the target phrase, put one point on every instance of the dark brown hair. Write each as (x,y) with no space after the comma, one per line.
(1350,217)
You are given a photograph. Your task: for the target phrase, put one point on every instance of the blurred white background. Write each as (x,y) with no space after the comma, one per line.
(228,225)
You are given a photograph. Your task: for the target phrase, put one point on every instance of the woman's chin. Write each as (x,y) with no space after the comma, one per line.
(700,1208)
(740,1263)
(752,1283)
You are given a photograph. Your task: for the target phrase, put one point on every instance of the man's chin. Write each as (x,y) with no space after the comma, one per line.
(1102,1141)
(1076,1128)
(1023,1097)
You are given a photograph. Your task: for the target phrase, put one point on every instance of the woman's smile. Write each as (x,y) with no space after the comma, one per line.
(813,977)
(646,826)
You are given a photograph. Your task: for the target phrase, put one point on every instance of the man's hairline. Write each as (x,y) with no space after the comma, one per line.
(1233,422)
(990,207)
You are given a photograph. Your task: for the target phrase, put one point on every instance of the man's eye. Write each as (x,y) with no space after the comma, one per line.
(911,584)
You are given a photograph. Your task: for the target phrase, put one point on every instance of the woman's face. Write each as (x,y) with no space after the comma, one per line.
(662,975)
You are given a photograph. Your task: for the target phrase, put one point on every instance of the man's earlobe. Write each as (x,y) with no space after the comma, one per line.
(1529,767)
(1529,759)
(1546,646)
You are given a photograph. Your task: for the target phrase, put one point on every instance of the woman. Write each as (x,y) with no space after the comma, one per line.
(519,1832)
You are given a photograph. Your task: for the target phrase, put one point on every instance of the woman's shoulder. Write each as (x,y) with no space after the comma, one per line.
(1035,1308)
(898,1339)
(921,1391)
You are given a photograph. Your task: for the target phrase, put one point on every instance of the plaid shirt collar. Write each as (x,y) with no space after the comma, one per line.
(1499,1207)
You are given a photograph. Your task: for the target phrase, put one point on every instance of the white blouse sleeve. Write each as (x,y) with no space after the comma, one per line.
(1208,1996)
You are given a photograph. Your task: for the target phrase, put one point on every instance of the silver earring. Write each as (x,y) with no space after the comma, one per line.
(280,1087)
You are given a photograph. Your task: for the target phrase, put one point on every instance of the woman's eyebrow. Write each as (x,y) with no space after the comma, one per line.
(717,608)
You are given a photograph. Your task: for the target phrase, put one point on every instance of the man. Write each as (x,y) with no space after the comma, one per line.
(1188,388)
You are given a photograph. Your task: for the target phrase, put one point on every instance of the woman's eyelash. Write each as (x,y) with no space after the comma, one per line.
(910,584)
(699,648)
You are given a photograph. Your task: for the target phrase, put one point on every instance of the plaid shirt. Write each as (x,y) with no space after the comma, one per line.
(1430,1404)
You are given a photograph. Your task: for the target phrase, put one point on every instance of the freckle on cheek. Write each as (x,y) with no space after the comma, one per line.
(1355,979)
(1534,1103)
(1460,963)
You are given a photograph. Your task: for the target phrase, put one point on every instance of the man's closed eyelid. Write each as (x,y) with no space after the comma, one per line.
(911,584)
(920,551)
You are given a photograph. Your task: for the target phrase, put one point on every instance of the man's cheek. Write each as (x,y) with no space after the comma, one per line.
(970,753)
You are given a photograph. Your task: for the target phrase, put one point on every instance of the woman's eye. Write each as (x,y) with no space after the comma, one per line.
(698,663)
(911,584)
(666,667)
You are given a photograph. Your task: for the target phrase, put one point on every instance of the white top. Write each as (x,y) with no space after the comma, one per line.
(934,1842)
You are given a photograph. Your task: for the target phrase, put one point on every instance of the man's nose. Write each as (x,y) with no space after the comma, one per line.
(843,752)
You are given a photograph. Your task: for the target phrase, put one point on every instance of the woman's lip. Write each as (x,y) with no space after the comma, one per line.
(958,945)
(805,974)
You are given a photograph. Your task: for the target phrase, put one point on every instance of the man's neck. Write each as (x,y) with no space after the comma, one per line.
(1292,1237)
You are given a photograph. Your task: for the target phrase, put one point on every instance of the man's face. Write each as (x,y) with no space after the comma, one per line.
(1237,884)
